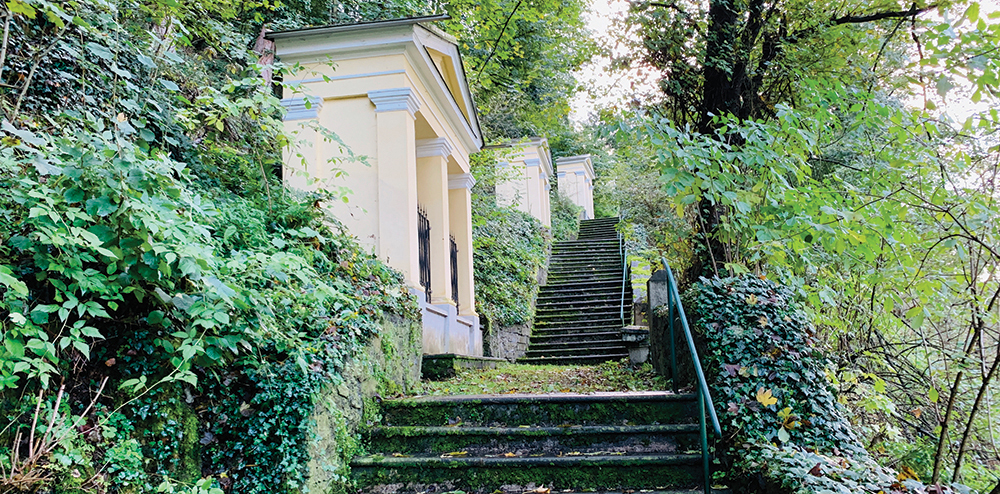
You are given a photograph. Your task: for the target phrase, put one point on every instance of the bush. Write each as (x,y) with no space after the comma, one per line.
(509,249)
(782,423)
(565,218)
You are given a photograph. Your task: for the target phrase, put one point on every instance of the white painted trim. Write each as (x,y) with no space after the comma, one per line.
(440,146)
(347,77)
(461,181)
(298,110)
(580,173)
(329,45)
(396,99)
(532,162)
(583,160)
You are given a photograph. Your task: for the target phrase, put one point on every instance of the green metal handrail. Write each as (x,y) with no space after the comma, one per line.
(624,253)
(704,396)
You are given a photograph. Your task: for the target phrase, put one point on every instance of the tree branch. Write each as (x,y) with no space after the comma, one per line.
(497,42)
(878,16)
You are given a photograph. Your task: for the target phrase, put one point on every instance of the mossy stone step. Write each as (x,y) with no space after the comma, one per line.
(575,298)
(555,409)
(584,284)
(583,318)
(485,475)
(590,309)
(574,360)
(559,338)
(525,441)
(584,349)
(609,322)
(543,335)
(575,341)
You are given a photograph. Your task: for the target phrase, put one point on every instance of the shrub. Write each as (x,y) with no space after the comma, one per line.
(509,250)
(565,218)
(782,423)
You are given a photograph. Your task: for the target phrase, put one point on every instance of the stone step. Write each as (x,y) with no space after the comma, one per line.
(561,324)
(569,342)
(591,309)
(577,298)
(582,350)
(587,247)
(574,360)
(586,242)
(595,270)
(556,293)
(594,284)
(581,316)
(555,409)
(581,301)
(483,475)
(540,336)
(557,338)
(583,278)
(526,441)
(585,271)
(586,254)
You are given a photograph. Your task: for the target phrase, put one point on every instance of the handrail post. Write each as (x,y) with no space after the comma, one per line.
(673,345)
(705,462)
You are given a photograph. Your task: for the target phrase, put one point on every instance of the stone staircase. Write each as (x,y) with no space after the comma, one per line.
(479,444)
(578,313)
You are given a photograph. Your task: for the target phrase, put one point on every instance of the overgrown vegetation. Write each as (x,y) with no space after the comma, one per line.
(848,152)
(565,218)
(510,248)
(168,309)
(783,425)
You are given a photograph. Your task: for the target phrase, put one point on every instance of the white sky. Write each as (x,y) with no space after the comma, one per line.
(606,89)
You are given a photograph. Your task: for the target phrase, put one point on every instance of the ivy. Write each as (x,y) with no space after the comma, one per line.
(783,426)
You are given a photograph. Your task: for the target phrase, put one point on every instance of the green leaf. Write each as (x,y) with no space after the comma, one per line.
(783,435)
(100,51)
(933,395)
(19,7)
(155,317)
(73,195)
(101,206)
(170,85)
(11,282)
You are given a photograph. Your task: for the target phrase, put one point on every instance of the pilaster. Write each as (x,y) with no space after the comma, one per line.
(397,176)
(433,195)
(460,213)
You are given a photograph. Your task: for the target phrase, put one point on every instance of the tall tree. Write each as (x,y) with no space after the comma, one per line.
(741,58)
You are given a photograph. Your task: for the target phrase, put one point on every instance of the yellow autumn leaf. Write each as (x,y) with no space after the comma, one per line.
(907,473)
(765,397)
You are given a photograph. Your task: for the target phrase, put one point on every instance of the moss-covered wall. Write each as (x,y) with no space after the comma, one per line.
(389,365)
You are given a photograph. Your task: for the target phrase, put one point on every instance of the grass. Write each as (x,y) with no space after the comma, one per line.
(520,378)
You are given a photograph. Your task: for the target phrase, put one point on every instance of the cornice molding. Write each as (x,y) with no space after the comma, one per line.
(302,108)
(461,181)
(440,146)
(395,99)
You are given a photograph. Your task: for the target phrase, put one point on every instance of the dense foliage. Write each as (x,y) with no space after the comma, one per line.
(565,217)
(510,248)
(783,426)
(850,153)
(168,308)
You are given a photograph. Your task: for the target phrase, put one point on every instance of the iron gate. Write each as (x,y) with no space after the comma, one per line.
(454,270)
(424,250)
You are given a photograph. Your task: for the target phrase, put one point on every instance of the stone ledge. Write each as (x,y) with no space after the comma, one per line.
(444,365)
